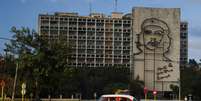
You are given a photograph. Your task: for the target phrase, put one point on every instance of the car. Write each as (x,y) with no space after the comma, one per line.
(117,97)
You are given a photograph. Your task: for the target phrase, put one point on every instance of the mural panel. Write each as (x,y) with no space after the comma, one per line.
(156,36)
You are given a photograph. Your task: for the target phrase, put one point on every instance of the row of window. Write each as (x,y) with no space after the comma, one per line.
(107,20)
(101,56)
(183,59)
(84,31)
(85,24)
(100,51)
(101,47)
(183,25)
(98,65)
(97,30)
(183,50)
(99,38)
(99,34)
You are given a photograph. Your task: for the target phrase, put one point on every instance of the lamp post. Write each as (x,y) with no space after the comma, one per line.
(23,91)
(179,89)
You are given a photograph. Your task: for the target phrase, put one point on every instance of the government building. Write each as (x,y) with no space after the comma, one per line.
(96,40)
(152,42)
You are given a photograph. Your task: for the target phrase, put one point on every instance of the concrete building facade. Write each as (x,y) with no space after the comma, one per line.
(157,47)
(96,40)
(148,41)
(183,44)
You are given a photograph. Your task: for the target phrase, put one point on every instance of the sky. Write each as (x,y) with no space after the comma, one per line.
(24,13)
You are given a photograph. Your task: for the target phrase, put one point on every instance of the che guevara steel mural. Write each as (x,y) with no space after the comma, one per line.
(155,37)
(156,47)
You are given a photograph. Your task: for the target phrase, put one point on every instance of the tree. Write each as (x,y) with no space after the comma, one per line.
(101,80)
(190,80)
(174,88)
(193,63)
(136,88)
(43,66)
(115,88)
(39,59)
(6,76)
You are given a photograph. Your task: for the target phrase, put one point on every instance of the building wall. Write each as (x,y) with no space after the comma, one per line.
(98,41)
(95,41)
(184,44)
(156,46)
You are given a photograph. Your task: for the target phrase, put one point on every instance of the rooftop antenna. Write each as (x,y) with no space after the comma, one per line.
(90,6)
(115,9)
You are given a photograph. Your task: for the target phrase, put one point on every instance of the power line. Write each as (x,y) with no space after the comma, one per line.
(5,38)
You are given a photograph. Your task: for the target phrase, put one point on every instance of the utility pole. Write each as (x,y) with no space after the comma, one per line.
(90,6)
(179,89)
(15,80)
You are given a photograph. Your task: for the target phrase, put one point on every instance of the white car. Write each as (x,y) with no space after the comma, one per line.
(117,97)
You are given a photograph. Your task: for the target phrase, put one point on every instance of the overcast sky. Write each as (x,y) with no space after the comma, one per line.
(25,13)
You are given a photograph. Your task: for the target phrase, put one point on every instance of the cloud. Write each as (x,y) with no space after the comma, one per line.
(195,31)
(23,1)
(89,0)
(194,54)
(194,47)
(194,1)
(194,42)
(53,1)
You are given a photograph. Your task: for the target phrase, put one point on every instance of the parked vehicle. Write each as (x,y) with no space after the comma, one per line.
(117,97)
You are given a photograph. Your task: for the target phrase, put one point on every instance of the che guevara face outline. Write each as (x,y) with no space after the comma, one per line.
(153,36)
(154,33)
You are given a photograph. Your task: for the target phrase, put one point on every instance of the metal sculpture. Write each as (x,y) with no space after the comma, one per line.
(154,34)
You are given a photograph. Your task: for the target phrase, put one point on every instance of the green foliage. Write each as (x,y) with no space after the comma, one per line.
(191,80)
(193,63)
(101,80)
(113,88)
(38,59)
(137,88)
(174,88)
(8,82)
(43,66)
(7,73)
